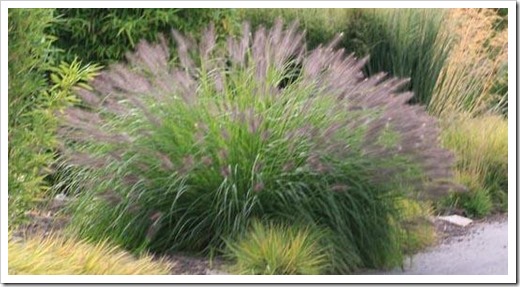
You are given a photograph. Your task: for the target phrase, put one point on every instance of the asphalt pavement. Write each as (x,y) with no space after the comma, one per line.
(482,250)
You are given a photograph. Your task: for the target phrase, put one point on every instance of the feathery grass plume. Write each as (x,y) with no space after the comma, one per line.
(320,25)
(214,143)
(470,80)
(59,255)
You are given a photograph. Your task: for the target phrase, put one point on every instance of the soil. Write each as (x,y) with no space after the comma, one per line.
(50,220)
(195,265)
(43,222)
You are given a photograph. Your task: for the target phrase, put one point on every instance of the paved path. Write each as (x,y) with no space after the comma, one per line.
(483,251)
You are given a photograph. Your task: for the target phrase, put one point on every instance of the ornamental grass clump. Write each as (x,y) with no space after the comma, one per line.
(55,254)
(481,145)
(178,155)
(277,249)
(405,43)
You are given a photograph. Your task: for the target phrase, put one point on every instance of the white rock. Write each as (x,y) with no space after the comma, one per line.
(456,219)
(60,197)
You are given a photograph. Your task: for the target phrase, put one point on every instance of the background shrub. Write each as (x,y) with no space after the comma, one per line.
(182,156)
(278,249)
(30,121)
(33,101)
(105,35)
(482,160)
(57,255)
(320,25)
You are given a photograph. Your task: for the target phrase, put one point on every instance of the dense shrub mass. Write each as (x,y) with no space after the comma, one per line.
(105,35)
(178,156)
(30,120)
(38,88)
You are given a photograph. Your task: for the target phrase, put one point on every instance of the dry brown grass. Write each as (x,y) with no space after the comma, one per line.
(473,65)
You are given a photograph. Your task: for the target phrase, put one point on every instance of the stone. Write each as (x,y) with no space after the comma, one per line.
(61,197)
(456,219)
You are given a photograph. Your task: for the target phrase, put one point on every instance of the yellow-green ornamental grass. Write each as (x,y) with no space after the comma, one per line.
(278,250)
(56,255)
(481,148)
(417,231)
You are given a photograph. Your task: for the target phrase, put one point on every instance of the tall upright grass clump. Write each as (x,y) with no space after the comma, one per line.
(404,42)
(180,155)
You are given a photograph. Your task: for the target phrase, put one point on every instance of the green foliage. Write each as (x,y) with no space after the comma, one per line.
(65,77)
(29,49)
(477,203)
(278,250)
(481,145)
(416,230)
(179,156)
(105,35)
(406,43)
(29,111)
(33,104)
(501,21)
(500,91)
(320,25)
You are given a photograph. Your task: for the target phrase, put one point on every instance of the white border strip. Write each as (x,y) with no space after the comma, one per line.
(257,4)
